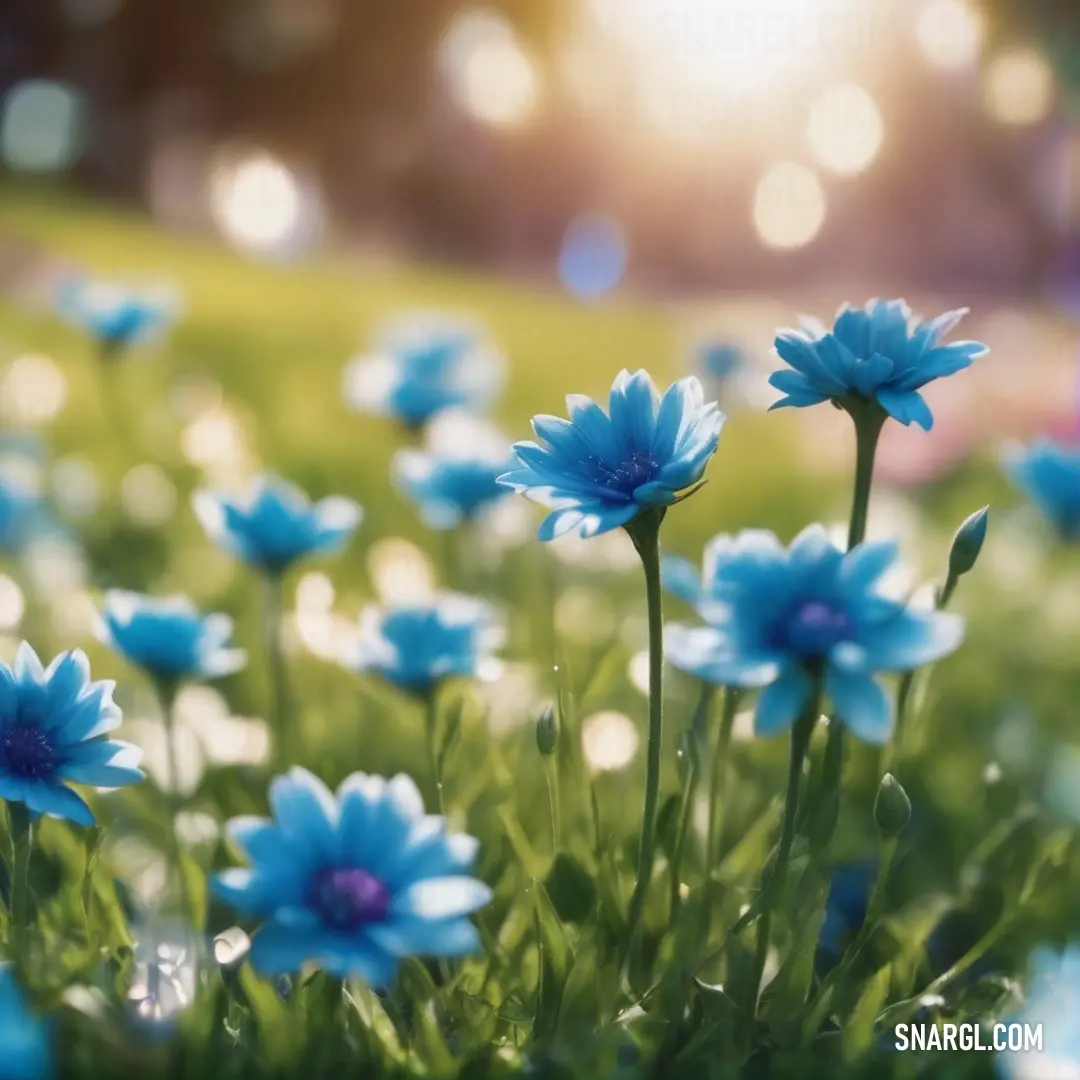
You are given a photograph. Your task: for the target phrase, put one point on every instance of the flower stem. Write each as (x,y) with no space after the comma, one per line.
(280,693)
(551,775)
(698,736)
(22,840)
(774,884)
(868,424)
(646,537)
(431,737)
(714,832)
(166,695)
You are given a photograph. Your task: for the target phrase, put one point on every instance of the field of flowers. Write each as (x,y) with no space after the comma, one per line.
(280,509)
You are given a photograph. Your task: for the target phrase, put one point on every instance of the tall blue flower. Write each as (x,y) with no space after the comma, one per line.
(878,353)
(600,470)
(353,881)
(782,617)
(415,647)
(52,726)
(116,315)
(1048,473)
(422,364)
(457,476)
(167,637)
(276,524)
(25,1043)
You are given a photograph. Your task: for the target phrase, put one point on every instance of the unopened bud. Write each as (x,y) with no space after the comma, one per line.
(547,731)
(892,807)
(968,542)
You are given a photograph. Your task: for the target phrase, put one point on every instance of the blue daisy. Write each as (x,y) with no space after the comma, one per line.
(354,881)
(415,647)
(25,1039)
(879,353)
(52,726)
(424,363)
(1048,473)
(457,476)
(168,638)
(778,617)
(116,315)
(598,471)
(276,524)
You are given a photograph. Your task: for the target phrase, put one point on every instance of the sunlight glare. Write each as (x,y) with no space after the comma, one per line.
(845,130)
(789,206)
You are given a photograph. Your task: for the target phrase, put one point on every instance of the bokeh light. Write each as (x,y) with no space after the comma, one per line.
(845,130)
(262,206)
(148,495)
(593,257)
(1019,87)
(609,741)
(42,126)
(789,206)
(32,390)
(490,76)
(12,603)
(949,33)
(400,572)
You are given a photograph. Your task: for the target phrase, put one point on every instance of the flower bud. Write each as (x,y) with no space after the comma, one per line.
(892,807)
(968,542)
(547,731)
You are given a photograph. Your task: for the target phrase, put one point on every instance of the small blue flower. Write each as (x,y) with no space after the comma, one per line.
(779,615)
(167,637)
(417,646)
(600,470)
(719,359)
(845,911)
(52,723)
(20,513)
(1048,473)
(424,363)
(877,353)
(276,524)
(25,1041)
(457,476)
(1052,1001)
(116,315)
(354,881)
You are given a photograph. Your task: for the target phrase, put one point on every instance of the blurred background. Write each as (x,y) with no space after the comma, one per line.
(604,183)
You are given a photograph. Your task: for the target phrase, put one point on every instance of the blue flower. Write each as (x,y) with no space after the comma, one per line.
(25,1044)
(424,363)
(876,353)
(20,512)
(600,470)
(1052,1001)
(719,359)
(52,723)
(276,523)
(415,647)
(116,315)
(167,637)
(457,475)
(779,616)
(353,881)
(1048,473)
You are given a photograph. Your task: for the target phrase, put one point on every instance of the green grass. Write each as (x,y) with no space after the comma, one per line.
(275,339)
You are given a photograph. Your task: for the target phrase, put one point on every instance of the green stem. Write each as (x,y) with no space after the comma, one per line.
(646,537)
(874,908)
(868,423)
(22,840)
(774,884)
(697,734)
(717,823)
(280,711)
(551,775)
(431,737)
(166,694)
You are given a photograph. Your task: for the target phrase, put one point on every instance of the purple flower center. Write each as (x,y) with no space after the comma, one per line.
(816,627)
(27,752)
(348,898)
(633,471)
